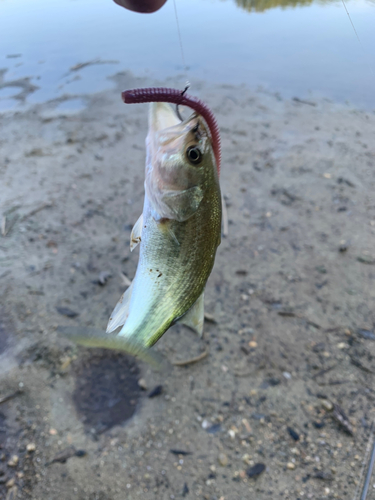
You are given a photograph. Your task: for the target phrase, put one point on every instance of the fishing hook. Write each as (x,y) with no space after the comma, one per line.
(182,94)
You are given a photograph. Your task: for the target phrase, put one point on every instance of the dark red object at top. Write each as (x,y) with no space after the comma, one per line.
(142,6)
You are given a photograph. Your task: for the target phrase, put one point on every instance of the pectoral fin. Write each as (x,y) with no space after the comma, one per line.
(135,237)
(121,311)
(181,205)
(177,204)
(194,318)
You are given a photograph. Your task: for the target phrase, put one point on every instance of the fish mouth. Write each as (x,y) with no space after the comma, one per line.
(163,116)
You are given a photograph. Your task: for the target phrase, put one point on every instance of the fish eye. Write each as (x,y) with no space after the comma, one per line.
(194,155)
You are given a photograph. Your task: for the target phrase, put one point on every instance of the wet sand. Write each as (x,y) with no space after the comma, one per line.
(291,295)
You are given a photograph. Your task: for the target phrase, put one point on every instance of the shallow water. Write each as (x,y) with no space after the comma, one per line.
(298,48)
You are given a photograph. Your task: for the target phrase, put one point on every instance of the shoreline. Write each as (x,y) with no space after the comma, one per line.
(291,289)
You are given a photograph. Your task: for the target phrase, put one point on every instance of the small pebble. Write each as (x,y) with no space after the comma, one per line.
(10,483)
(256,470)
(65,363)
(327,405)
(223,459)
(366,259)
(156,391)
(205,424)
(209,317)
(31,447)
(13,461)
(253,344)
(104,277)
(318,424)
(293,434)
(65,311)
(245,330)
(290,466)
(142,384)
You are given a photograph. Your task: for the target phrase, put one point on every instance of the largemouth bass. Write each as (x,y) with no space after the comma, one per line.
(178,233)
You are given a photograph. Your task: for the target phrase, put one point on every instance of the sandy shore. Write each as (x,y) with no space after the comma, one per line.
(292,295)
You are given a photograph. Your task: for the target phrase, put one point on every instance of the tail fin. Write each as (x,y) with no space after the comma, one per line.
(91,337)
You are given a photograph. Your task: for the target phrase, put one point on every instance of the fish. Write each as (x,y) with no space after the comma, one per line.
(178,234)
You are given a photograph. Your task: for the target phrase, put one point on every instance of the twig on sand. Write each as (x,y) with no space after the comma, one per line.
(192,360)
(4,229)
(125,280)
(9,396)
(322,372)
(79,66)
(48,204)
(356,362)
(302,101)
(225,217)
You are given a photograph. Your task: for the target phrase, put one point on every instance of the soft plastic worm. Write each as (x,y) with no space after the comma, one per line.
(174,96)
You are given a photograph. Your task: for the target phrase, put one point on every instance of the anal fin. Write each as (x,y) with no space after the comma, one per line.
(136,236)
(194,318)
(121,311)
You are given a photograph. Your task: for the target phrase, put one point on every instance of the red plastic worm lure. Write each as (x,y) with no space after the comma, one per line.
(174,96)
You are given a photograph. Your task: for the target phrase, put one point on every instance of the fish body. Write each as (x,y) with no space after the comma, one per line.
(178,234)
(178,231)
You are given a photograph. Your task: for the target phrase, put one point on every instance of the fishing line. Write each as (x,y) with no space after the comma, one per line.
(180,40)
(356,34)
(370,463)
(351,22)
(370,67)
(370,468)
(187,84)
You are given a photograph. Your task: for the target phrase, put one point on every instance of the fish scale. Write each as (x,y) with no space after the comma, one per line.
(185,268)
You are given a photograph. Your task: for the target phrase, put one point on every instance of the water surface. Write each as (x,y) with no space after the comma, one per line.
(295,47)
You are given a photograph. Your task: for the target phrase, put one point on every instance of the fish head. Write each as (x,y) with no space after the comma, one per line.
(180,162)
